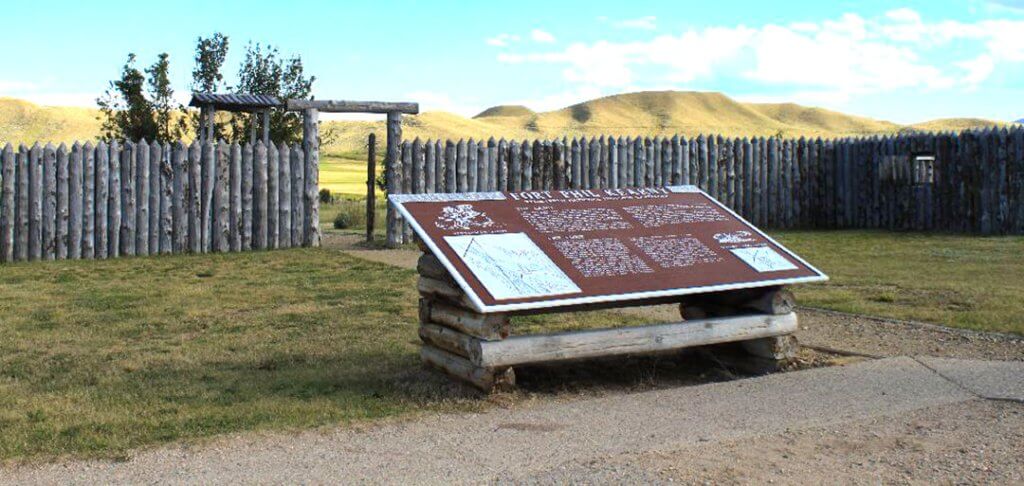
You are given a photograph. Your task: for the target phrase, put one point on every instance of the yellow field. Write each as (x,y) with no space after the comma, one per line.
(344,175)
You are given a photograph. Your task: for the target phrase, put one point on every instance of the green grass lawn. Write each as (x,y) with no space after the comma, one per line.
(98,357)
(955,280)
(345,173)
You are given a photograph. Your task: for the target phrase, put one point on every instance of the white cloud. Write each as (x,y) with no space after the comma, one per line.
(838,58)
(560,100)
(436,101)
(502,40)
(644,23)
(541,36)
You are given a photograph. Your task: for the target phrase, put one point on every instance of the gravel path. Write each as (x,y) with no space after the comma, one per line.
(583,440)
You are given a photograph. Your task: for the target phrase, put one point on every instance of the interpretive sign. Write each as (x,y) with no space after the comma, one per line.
(545,249)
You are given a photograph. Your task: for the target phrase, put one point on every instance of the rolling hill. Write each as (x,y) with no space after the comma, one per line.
(643,113)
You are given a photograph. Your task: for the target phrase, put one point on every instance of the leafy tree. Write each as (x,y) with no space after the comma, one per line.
(125,111)
(162,100)
(207,78)
(264,72)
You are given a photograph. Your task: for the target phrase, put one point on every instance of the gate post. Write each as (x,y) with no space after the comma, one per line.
(393,175)
(311,150)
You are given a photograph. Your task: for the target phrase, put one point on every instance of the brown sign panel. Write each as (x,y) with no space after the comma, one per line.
(546,249)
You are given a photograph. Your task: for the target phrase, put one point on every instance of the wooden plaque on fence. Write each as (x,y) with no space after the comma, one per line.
(517,251)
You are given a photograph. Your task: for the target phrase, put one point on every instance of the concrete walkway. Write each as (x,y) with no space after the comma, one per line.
(531,442)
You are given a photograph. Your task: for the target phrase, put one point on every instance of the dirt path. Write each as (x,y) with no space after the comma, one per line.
(876,419)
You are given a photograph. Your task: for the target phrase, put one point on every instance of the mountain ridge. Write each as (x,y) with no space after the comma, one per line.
(645,113)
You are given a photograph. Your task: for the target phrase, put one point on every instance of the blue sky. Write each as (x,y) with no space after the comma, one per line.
(903,62)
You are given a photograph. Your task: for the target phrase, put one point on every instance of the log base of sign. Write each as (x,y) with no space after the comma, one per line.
(478,348)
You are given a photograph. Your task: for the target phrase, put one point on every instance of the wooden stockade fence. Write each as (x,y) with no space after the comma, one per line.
(121,199)
(972,181)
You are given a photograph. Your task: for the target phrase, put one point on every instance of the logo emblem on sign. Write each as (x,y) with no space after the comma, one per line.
(463,217)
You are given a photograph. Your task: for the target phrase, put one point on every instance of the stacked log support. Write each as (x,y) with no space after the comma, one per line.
(764,353)
(452,332)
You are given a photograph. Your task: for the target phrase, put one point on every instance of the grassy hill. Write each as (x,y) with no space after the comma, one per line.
(643,113)
(24,122)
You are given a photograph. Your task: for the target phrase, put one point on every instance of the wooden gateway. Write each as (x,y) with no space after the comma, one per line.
(489,256)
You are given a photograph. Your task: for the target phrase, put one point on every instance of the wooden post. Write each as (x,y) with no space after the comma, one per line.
(88,201)
(221,238)
(155,161)
(393,170)
(471,167)
(265,115)
(209,160)
(285,197)
(371,185)
(298,160)
(180,198)
(7,172)
(35,201)
(311,148)
(195,197)
(103,153)
(21,217)
(259,226)
(407,186)
(492,164)
(75,204)
(113,200)
(503,165)
(483,182)
(166,219)
(49,202)
(245,223)
(526,176)
(236,198)
(142,199)
(273,195)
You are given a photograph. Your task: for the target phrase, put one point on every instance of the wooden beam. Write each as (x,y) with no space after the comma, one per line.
(630,340)
(459,367)
(342,106)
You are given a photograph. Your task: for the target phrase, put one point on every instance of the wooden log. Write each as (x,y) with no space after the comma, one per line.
(449,340)
(22,215)
(285,197)
(418,161)
(439,167)
(429,167)
(165,221)
(458,367)
(113,201)
(449,166)
(639,163)
(667,161)
(772,348)
(622,165)
(488,327)
(209,162)
(371,185)
(49,196)
(515,167)
(461,167)
(493,164)
(235,196)
(407,186)
(483,182)
(575,160)
(75,203)
(156,157)
(142,155)
(298,187)
(343,106)
(631,340)
(245,226)
(88,201)
(35,202)
(103,155)
(392,176)
(195,197)
(221,239)
(439,289)
(179,197)
(273,195)
(472,165)
(527,166)
(429,266)
(260,203)
(8,171)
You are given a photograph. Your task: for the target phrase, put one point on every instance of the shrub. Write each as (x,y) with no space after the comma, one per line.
(351,214)
(325,196)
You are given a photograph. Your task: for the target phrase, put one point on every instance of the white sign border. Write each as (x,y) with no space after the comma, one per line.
(399,200)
